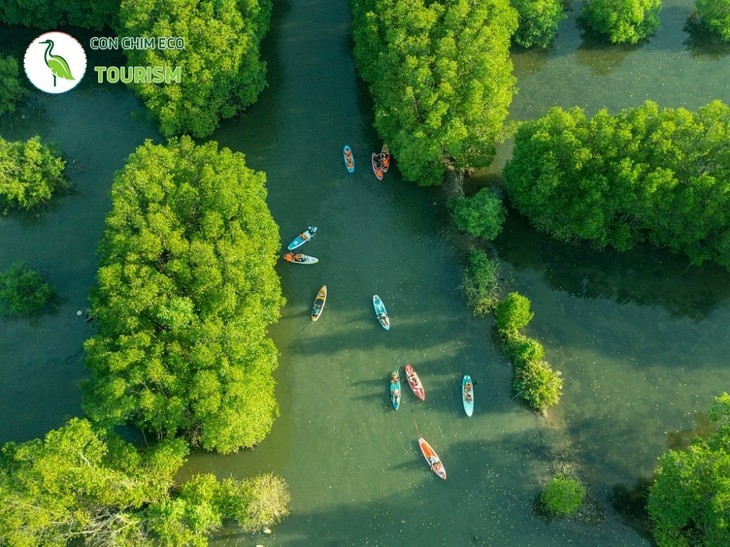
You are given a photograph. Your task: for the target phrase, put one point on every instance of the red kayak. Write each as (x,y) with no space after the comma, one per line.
(377,166)
(432,458)
(415,382)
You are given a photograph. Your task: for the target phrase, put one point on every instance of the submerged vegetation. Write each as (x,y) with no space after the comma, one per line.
(534,381)
(185,293)
(481,284)
(84,485)
(23,291)
(644,175)
(441,79)
(689,500)
(222,71)
(30,173)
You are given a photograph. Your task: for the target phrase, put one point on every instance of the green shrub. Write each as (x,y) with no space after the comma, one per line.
(538,21)
(30,173)
(513,313)
(481,283)
(538,384)
(23,291)
(563,495)
(481,215)
(522,349)
(715,16)
(10,91)
(689,500)
(622,21)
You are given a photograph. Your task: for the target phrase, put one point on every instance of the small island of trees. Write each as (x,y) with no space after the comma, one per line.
(441,79)
(185,293)
(30,173)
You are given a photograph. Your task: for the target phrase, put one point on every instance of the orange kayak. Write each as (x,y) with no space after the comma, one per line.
(432,458)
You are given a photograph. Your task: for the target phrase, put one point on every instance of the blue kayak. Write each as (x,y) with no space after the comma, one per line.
(302,238)
(395,390)
(349,159)
(467,395)
(381,313)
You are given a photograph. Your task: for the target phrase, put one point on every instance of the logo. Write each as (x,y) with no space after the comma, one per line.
(55,62)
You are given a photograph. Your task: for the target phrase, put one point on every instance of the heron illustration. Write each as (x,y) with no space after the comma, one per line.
(58,65)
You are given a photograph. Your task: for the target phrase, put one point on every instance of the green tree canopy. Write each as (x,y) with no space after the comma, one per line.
(23,291)
(51,14)
(622,21)
(185,293)
(82,485)
(645,174)
(538,21)
(513,313)
(715,16)
(30,173)
(11,91)
(689,501)
(481,215)
(441,79)
(222,72)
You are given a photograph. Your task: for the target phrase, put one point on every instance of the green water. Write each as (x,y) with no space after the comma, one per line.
(641,338)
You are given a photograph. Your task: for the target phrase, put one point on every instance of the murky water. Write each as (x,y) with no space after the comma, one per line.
(641,338)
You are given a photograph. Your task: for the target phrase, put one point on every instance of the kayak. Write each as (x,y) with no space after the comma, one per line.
(385,158)
(395,390)
(349,159)
(415,382)
(467,395)
(319,302)
(302,238)
(432,458)
(377,166)
(381,313)
(299,258)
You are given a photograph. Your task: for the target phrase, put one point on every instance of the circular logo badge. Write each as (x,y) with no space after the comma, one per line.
(55,62)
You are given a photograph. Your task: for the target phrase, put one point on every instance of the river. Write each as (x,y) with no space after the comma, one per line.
(641,338)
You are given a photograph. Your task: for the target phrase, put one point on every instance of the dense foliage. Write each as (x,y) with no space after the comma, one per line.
(481,215)
(221,68)
(622,21)
(689,501)
(81,485)
(534,381)
(52,14)
(715,16)
(481,284)
(513,313)
(538,21)
(11,91)
(441,79)
(563,495)
(185,292)
(23,291)
(30,173)
(646,174)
